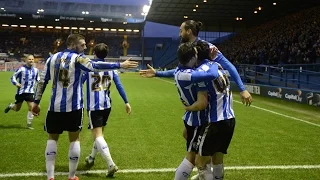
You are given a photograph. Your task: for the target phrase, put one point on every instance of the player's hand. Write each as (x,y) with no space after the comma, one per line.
(149,73)
(128,64)
(213,52)
(35,109)
(128,108)
(246,98)
(19,85)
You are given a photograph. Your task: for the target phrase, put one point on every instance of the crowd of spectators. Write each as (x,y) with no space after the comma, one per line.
(294,39)
(43,44)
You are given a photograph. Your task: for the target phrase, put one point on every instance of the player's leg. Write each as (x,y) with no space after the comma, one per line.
(90,159)
(74,154)
(98,120)
(29,115)
(51,126)
(186,166)
(224,137)
(205,151)
(73,126)
(217,165)
(16,106)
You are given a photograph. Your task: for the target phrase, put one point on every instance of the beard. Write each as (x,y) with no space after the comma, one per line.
(184,40)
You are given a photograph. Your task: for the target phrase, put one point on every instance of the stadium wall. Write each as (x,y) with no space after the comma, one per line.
(301,96)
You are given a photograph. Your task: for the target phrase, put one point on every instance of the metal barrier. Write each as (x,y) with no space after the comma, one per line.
(306,76)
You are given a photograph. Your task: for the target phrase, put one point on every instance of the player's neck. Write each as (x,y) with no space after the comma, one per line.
(193,39)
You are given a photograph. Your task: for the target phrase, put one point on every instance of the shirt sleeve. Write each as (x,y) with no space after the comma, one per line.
(168,73)
(119,87)
(15,76)
(87,65)
(226,64)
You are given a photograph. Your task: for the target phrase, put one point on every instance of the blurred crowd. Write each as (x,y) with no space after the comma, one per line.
(294,39)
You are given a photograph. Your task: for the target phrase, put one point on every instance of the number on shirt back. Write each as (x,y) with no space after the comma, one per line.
(63,74)
(100,83)
(222,83)
(63,77)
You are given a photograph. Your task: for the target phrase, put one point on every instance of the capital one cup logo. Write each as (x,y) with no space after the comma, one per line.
(276,93)
(296,96)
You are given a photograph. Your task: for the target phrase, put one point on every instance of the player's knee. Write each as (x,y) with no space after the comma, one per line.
(202,161)
(17,107)
(97,132)
(53,137)
(74,136)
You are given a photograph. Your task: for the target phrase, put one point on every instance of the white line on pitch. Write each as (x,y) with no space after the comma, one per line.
(29,174)
(263,109)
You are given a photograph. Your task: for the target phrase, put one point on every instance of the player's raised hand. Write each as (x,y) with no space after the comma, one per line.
(128,108)
(149,73)
(246,98)
(35,109)
(128,64)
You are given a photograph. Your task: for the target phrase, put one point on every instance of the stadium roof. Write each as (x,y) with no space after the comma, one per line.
(87,13)
(222,15)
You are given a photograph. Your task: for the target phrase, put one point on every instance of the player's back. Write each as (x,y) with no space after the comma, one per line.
(220,95)
(98,89)
(188,95)
(65,74)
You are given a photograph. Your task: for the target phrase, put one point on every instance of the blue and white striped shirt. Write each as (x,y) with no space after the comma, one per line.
(65,69)
(220,96)
(188,95)
(98,89)
(27,77)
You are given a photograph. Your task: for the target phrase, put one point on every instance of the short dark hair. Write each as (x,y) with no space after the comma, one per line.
(73,39)
(195,26)
(186,52)
(203,49)
(101,50)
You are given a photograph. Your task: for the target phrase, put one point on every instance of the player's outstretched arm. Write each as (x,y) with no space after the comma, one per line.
(151,72)
(204,75)
(87,65)
(226,64)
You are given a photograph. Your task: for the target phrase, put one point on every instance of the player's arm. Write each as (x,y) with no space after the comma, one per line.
(246,97)
(87,65)
(42,84)
(226,64)
(151,72)
(208,74)
(168,73)
(121,91)
(119,87)
(201,103)
(14,78)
